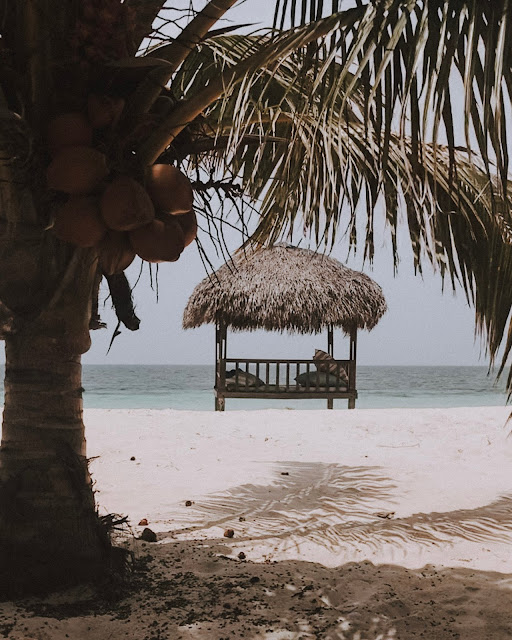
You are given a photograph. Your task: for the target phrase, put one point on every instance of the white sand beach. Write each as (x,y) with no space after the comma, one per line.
(360,525)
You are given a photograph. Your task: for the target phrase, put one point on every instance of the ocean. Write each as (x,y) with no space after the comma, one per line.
(190,387)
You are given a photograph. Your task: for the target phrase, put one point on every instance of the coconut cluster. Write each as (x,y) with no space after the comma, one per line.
(118,214)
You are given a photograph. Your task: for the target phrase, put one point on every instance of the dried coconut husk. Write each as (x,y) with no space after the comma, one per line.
(79,222)
(188,224)
(104,111)
(77,170)
(69,130)
(159,241)
(115,252)
(126,205)
(170,189)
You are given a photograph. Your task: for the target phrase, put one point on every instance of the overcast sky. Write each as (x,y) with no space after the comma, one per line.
(422,327)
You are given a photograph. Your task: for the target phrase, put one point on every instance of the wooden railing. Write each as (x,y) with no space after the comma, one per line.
(259,376)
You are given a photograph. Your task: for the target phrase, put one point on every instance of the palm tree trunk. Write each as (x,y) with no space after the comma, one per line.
(50,534)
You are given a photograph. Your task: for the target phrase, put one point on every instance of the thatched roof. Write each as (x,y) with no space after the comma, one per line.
(285,288)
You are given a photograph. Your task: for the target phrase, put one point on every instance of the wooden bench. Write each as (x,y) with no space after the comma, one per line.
(278,378)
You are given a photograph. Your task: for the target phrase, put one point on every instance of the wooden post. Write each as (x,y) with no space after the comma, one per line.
(217,355)
(330,340)
(217,364)
(352,371)
(220,365)
(330,351)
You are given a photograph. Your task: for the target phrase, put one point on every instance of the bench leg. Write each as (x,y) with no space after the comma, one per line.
(330,403)
(220,403)
(351,403)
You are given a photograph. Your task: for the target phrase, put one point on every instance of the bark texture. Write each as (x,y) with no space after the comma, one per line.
(50,534)
(49,530)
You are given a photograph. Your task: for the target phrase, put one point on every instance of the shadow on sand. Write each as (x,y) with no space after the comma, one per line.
(339,508)
(190,590)
(200,589)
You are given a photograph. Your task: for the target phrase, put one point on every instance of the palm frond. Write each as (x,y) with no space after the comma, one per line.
(457,216)
(438,46)
(270,51)
(351,109)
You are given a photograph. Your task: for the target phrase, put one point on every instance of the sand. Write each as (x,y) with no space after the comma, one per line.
(356,525)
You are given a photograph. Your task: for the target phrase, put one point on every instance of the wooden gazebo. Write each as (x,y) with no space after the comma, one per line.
(285,288)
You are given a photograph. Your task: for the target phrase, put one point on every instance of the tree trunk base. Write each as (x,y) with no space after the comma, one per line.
(55,564)
(50,541)
(37,572)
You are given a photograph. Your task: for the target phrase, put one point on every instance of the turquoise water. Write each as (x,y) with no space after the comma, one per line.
(190,387)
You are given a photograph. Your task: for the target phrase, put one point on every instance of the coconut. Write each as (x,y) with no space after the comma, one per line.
(69,130)
(159,241)
(188,224)
(115,252)
(79,222)
(104,111)
(126,205)
(77,170)
(169,189)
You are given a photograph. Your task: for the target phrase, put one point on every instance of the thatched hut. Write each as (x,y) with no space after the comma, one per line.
(285,288)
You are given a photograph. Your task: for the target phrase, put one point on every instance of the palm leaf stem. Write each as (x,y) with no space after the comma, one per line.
(259,119)
(219,143)
(176,53)
(187,110)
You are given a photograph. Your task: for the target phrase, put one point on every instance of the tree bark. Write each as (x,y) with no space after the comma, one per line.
(50,534)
